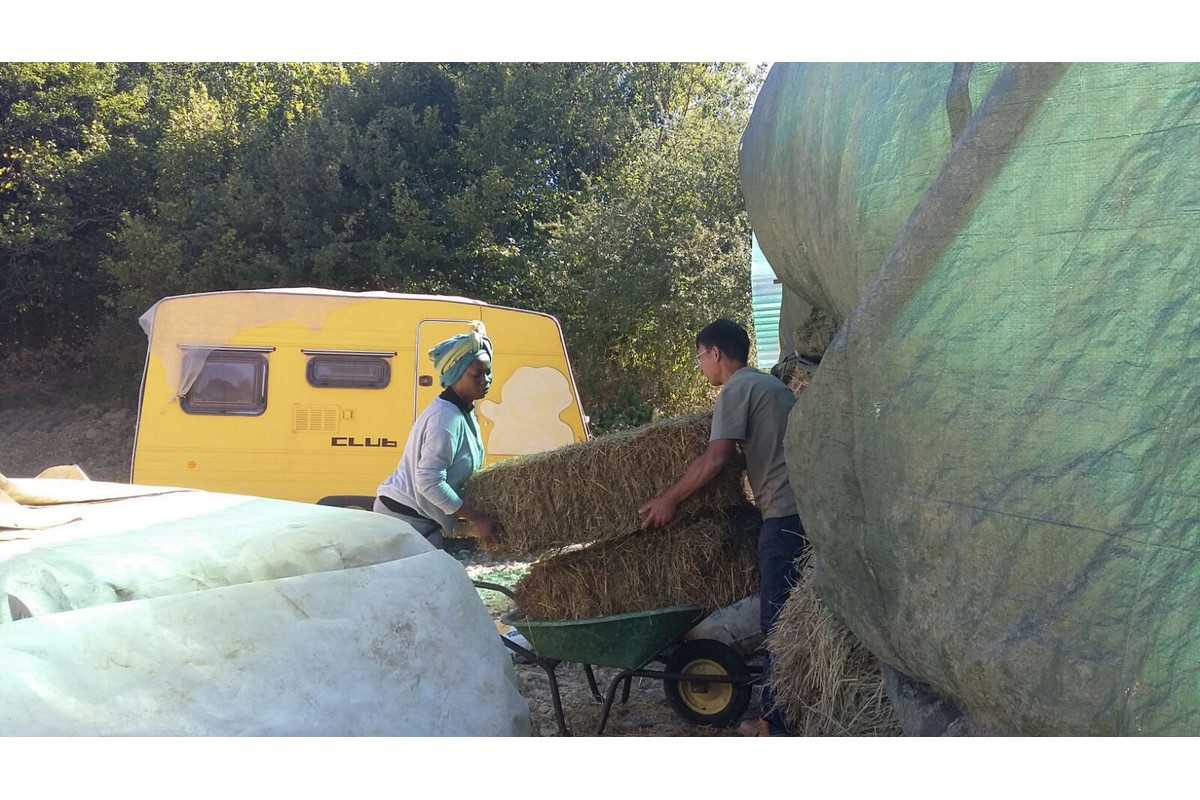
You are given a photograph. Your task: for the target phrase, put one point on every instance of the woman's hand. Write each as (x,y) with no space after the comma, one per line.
(487,530)
(483,527)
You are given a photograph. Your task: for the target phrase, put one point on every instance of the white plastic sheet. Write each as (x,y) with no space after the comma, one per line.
(166,543)
(403,648)
(194,613)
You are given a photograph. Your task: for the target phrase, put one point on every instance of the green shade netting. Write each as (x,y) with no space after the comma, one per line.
(998,461)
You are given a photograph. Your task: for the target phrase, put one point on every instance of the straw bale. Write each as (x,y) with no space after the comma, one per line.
(709,560)
(814,334)
(592,490)
(825,681)
(798,381)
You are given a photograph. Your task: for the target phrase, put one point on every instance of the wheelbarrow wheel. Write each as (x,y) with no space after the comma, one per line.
(704,702)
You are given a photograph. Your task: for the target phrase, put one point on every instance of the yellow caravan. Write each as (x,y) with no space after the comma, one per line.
(309,394)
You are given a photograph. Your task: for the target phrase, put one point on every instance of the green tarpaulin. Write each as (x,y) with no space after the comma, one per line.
(998,460)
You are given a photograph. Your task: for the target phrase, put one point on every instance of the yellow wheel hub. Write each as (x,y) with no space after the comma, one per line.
(705,697)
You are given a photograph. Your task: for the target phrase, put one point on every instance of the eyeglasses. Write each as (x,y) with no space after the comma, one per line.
(702,352)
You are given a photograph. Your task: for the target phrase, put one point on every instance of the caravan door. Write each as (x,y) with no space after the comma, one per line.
(532,398)
(425,383)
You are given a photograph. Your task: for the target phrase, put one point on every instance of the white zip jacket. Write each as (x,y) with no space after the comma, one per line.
(443,449)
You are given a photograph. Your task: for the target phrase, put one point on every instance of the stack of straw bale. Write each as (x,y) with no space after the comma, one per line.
(707,560)
(823,678)
(578,507)
(592,490)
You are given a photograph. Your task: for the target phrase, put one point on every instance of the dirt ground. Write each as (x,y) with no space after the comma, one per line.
(99,438)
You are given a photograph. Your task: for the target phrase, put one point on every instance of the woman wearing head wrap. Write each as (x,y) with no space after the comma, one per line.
(444,446)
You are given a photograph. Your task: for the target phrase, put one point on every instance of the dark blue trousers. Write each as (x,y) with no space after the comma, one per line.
(781,540)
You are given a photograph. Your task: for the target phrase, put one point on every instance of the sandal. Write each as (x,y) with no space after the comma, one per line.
(754,727)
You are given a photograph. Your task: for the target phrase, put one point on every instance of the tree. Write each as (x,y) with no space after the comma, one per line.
(605,193)
(209,223)
(660,248)
(71,162)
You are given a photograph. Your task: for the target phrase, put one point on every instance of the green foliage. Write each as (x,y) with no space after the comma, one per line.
(211,225)
(69,164)
(627,409)
(661,248)
(604,193)
(85,148)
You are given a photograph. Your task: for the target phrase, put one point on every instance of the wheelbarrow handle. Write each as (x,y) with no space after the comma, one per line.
(547,664)
(495,587)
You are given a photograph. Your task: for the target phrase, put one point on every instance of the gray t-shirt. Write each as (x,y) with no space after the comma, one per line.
(753,408)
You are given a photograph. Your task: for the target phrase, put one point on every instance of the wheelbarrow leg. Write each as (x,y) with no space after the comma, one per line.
(591,678)
(625,675)
(554,698)
(625,690)
(549,665)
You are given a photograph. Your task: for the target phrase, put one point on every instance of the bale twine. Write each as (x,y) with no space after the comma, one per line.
(709,561)
(824,680)
(592,490)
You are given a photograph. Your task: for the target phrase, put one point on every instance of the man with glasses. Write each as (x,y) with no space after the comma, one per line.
(751,412)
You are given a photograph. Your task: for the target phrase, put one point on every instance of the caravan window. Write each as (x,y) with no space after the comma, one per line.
(230,382)
(351,371)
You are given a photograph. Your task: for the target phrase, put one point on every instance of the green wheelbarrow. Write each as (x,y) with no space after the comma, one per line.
(704,680)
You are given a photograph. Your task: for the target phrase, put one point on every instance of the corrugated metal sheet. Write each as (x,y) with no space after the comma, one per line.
(766,298)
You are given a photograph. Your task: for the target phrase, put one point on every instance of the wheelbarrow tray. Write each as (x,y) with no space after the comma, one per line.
(626,641)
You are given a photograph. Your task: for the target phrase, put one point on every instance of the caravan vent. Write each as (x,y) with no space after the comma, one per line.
(315,418)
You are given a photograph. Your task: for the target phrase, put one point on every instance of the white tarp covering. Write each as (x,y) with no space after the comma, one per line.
(403,648)
(170,542)
(194,613)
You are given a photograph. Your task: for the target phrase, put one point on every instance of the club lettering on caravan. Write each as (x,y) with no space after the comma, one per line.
(348,441)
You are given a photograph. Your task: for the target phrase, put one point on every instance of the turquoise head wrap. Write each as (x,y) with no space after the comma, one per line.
(452,357)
